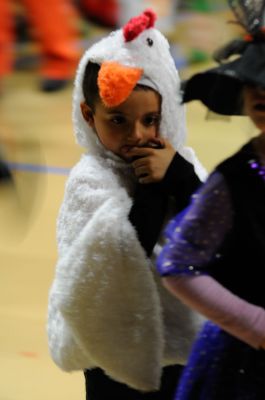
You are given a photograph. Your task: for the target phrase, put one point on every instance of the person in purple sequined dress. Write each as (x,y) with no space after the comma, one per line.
(214,257)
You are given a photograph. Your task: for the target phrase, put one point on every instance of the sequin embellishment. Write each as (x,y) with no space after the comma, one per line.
(257,167)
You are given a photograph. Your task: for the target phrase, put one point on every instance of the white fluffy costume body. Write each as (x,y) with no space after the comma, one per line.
(107,307)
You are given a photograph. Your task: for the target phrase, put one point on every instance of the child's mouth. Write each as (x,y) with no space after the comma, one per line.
(126,149)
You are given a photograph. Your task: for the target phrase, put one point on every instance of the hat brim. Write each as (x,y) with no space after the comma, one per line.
(218,89)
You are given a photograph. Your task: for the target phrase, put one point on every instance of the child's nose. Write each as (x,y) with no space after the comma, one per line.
(137,132)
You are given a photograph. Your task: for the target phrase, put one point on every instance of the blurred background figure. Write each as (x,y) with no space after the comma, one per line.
(54,25)
(5,174)
(102,12)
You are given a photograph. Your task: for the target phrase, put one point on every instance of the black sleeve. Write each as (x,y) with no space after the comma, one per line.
(180,181)
(148,213)
(150,203)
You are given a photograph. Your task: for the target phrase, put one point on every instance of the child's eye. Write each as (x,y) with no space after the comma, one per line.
(151,120)
(118,119)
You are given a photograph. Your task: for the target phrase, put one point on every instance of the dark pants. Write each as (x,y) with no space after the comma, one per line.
(101,387)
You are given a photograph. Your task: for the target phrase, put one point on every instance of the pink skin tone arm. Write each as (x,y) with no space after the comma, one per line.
(233,314)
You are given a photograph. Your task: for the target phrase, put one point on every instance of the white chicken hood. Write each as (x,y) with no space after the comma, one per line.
(149,51)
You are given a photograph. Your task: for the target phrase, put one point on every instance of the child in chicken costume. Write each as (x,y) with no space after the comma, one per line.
(108,313)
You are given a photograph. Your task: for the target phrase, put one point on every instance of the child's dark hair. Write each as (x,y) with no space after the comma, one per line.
(90,86)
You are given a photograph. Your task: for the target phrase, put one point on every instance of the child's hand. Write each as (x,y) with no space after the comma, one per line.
(152,162)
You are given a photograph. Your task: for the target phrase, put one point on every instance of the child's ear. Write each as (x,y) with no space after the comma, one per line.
(87,114)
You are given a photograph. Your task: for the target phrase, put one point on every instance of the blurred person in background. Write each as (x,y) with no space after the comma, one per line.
(103,12)
(55,28)
(5,174)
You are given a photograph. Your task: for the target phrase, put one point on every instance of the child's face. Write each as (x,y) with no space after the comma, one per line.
(254,105)
(135,122)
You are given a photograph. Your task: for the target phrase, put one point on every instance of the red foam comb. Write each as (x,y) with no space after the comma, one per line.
(137,25)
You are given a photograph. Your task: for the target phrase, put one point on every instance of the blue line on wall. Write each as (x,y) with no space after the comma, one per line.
(43,169)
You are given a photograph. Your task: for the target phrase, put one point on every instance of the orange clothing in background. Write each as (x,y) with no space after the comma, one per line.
(54,25)
(6,37)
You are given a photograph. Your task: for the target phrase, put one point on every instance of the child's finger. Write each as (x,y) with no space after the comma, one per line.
(159,142)
(140,162)
(141,171)
(145,179)
(140,151)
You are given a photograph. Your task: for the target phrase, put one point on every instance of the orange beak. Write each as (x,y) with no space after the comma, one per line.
(116,82)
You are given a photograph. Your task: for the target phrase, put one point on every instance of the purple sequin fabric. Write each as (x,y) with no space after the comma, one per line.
(257,167)
(194,236)
(221,367)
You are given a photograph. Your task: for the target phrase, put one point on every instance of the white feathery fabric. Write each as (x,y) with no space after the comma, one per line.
(107,307)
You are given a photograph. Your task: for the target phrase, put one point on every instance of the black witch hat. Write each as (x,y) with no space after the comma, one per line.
(220,88)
